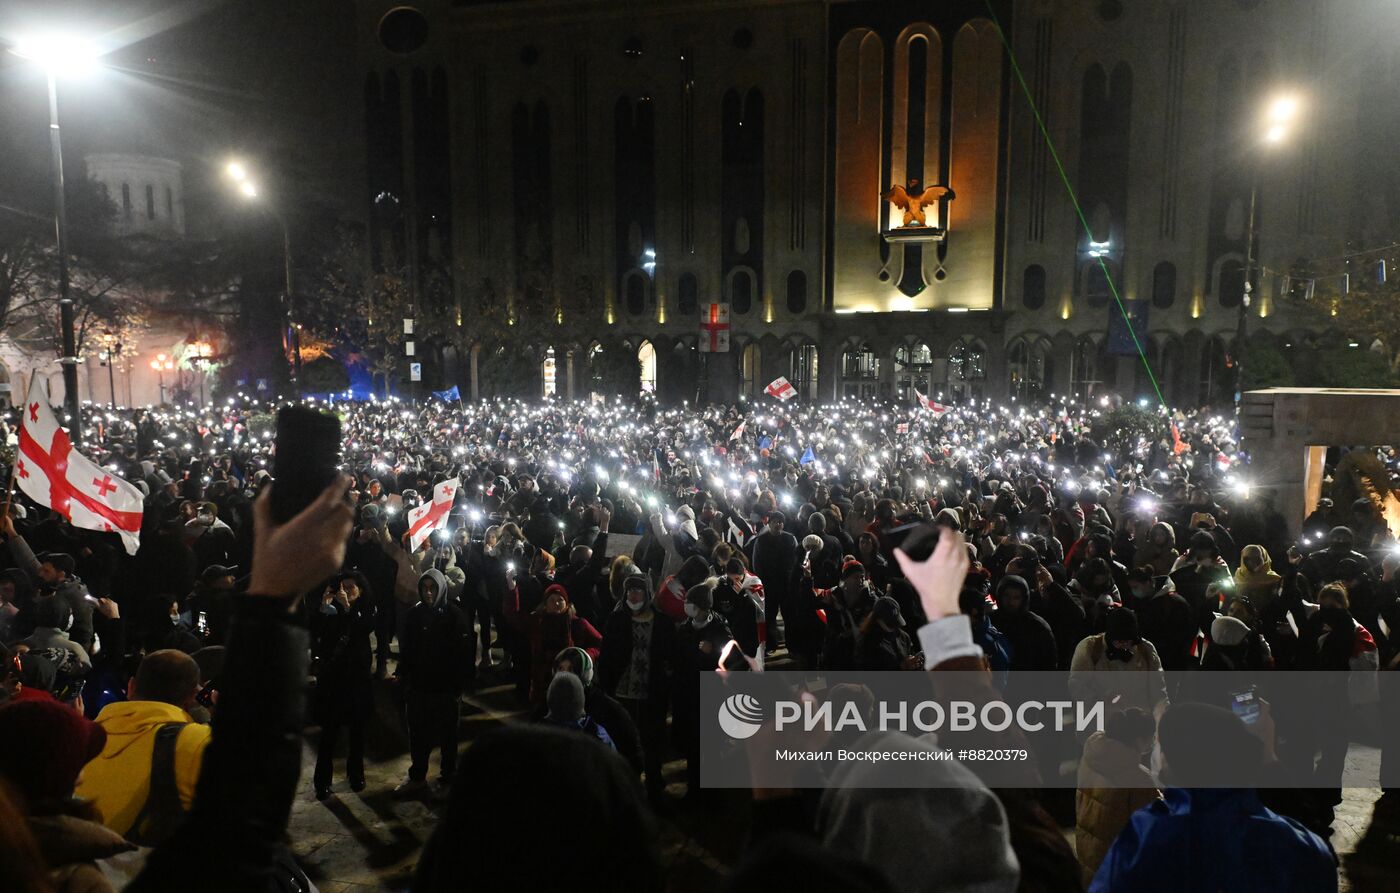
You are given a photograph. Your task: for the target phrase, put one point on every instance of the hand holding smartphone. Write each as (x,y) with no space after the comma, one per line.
(307,459)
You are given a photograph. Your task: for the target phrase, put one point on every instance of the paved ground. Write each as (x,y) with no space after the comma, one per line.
(355,843)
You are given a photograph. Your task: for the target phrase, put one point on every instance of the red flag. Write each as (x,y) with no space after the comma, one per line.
(431,515)
(931,405)
(50,472)
(782,389)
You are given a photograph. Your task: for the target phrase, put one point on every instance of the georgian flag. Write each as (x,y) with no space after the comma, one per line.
(782,389)
(431,515)
(931,405)
(49,471)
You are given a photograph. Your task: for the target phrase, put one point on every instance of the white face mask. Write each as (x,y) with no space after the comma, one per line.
(634,607)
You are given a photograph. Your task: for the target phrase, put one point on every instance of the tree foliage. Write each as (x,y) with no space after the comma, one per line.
(1120,429)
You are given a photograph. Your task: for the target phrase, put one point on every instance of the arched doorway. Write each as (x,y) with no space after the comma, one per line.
(860,373)
(1030,367)
(1216,374)
(549,373)
(967,368)
(750,360)
(913,366)
(802,370)
(1084,368)
(646,358)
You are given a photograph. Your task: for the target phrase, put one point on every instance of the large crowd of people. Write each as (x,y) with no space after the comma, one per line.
(598,558)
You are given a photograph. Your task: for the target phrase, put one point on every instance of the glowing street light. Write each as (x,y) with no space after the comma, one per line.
(60,54)
(242,179)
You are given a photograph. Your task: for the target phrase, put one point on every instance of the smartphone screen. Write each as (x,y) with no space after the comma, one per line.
(307,456)
(1245,705)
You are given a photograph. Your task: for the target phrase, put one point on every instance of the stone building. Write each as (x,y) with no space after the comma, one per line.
(614,167)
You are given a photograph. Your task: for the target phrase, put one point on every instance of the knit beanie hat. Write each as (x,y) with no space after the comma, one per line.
(565,697)
(43,747)
(581,662)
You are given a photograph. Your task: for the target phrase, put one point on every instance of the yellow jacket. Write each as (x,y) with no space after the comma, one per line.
(119,780)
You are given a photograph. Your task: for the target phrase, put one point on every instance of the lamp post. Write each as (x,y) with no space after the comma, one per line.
(113,348)
(1278,122)
(69,55)
(200,356)
(162,364)
(291,332)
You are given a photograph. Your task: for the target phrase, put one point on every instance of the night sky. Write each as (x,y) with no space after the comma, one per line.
(271,80)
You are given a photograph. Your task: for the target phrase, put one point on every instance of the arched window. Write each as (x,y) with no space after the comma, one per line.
(1164,284)
(860,373)
(549,373)
(635,292)
(1033,287)
(688,295)
(913,365)
(1096,287)
(646,358)
(126,201)
(802,370)
(1216,381)
(749,363)
(1231,283)
(1084,376)
(797,292)
(1029,367)
(741,291)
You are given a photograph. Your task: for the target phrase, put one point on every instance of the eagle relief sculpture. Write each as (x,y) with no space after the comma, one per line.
(914,198)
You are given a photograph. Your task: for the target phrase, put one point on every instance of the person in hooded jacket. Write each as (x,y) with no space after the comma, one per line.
(700,642)
(340,632)
(881,643)
(637,667)
(1158,551)
(1255,577)
(435,660)
(1029,635)
(1112,785)
(740,600)
(1325,565)
(602,707)
(1165,618)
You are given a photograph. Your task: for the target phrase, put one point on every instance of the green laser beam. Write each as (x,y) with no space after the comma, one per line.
(1073,197)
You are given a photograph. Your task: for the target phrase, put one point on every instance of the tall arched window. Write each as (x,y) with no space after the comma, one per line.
(1033,287)
(741,288)
(634,286)
(126,201)
(1164,284)
(1028,362)
(1084,376)
(549,373)
(749,362)
(688,295)
(1096,288)
(802,370)
(646,358)
(913,365)
(797,292)
(860,373)
(1231,282)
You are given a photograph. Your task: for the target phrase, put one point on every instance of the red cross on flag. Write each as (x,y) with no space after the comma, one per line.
(931,405)
(431,515)
(714,329)
(782,389)
(49,471)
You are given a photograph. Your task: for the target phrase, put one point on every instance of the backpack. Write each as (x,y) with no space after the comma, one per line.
(162,813)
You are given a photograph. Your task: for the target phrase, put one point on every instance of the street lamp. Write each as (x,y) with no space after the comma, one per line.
(200,356)
(1277,123)
(243,180)
(69,55)
(162,364)
(113,346)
